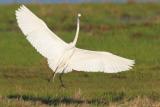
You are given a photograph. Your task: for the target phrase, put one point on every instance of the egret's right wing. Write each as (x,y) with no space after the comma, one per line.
(96,61)
(38,34)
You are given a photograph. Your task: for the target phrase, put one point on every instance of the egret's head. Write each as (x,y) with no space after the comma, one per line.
(79,14)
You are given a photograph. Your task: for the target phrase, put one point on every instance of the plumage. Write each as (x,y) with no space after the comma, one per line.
(93,61)
(38,34)
(64,57)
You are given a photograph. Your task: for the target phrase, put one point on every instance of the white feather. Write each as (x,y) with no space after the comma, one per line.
(39,35)
(93,61)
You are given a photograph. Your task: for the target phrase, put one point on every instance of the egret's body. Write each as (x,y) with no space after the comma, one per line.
(63,57)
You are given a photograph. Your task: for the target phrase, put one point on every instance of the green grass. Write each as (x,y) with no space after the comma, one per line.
(128,30)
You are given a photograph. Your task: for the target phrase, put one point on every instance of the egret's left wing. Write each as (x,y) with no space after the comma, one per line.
(39,35)
(94,61)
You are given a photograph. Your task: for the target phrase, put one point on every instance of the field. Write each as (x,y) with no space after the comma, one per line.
(128,30)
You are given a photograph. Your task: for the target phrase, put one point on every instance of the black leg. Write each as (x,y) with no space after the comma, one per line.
(60,78)
(51,78)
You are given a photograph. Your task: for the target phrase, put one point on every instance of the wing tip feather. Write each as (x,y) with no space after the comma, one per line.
(21,9)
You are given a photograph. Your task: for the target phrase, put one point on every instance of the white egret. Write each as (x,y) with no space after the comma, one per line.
(64,57)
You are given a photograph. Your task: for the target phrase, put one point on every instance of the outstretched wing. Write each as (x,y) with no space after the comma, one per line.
(94,61)
(38,34)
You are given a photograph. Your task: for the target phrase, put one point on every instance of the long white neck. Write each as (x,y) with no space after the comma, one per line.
(77,31)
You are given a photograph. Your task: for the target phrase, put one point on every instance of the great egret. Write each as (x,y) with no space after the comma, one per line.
(64,57)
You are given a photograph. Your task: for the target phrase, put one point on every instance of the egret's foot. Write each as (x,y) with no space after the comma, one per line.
(62,86)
